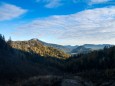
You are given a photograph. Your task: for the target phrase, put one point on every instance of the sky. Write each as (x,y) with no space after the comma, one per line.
(64,22)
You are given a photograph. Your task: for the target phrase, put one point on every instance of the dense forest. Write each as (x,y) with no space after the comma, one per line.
(97,60)
(16,64)
(24,59)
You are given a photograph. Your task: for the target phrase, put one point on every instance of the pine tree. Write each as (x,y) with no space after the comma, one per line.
(9,42)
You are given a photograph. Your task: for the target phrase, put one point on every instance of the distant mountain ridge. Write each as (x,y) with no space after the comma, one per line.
(96,46)
(66,49)
(80,50)
(74,49)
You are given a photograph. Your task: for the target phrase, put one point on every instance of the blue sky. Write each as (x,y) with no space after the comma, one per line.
(66,22)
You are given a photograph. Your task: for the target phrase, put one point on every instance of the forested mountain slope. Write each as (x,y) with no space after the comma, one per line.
(66,49)
(25,59)
(37,47)
(99,60)
(16,64)
(73,49)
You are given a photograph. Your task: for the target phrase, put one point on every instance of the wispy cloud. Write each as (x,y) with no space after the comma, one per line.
(89,26)
(53,3)
(9,11)
(98,1)
(56,3)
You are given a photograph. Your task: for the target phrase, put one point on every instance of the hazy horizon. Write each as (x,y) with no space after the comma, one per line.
(60,44)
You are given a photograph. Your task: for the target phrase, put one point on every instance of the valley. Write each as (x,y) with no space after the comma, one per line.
(31,63)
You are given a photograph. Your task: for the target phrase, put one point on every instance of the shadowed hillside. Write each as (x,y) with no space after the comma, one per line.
(25,63)
(16,65)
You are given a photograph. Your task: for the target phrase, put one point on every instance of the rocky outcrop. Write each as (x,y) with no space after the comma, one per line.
(76,81)
(55,81)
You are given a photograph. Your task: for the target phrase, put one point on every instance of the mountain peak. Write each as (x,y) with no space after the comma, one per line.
(34,39)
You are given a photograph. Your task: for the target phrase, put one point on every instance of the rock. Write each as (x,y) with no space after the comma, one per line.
(70,82)
(75,81)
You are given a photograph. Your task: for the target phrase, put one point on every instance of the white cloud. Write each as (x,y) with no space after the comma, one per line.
(89,26)
(9,11)
(57,3)
(53,3)
(98,1)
